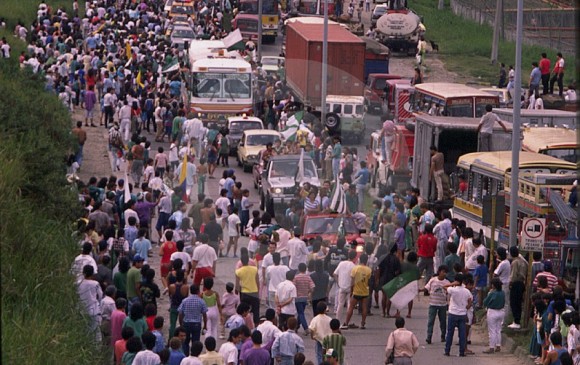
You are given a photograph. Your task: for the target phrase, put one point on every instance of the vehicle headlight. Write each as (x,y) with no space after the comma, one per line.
(252,157)
(276,190)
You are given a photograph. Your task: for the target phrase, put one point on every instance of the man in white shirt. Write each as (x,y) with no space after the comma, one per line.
(268,328)
(147,357)
(274,275)
(298,251)
(228,350)
(319,328)
(82,260)
(183,256)
(284,298)
(90,295)
(203,262)
(460,300)
(502,271)
(234,223)
(343,281)
(471,261)
(485,128)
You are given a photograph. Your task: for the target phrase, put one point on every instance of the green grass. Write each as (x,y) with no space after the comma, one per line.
(465,46)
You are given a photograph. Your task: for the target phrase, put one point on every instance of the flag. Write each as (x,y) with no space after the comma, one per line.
(126,191)
(338,202)
(183,179)
(292,126)
(300,170)
(234,41)
(128,50)
(402,289)
(139,80)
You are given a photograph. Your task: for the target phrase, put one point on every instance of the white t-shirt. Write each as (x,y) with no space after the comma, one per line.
(184,256)
(298,252)
(223,203)
(146,357)
(229,352)
(276,274)
(268,331)
(204,255)
(343,271)
(233,225)
(285,291)
(80,262)
(503,271)
(458,298)
(471,262)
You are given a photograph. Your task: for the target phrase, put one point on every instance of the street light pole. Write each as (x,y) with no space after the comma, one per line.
(259,45)
(324,64)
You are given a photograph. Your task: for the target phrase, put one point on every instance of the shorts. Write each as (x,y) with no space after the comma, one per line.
(469,316)
(90,113)
(360,297)
(163,220)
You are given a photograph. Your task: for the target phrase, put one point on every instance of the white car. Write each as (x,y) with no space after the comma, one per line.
(181,34)
(272,64)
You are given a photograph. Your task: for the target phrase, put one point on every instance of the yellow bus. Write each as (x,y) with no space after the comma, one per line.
(270,17)
(451,100)
(552,141)
(488,173)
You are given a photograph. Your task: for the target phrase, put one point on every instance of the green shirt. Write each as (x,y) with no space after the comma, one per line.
(337,342)
(495,300)
(139,326)
(133,277)
(120,281)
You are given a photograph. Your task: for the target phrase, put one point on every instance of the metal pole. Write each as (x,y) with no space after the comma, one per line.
(492,238)
(496,32)
(516,130)
(324,64)
(260,4)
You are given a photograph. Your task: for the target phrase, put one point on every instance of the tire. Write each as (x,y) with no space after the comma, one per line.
(332,122)
(246,167)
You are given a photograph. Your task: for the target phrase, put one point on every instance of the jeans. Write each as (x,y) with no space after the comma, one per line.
(545,84)
(517,289)
(557,78)
(301,304)
(360,191)
(441,311)
(484,142)
(335,167)
(319,352)
(426,263)
(192,334)
(460,322)
(79,155)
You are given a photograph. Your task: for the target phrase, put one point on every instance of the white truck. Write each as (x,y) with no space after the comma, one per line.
(400,27)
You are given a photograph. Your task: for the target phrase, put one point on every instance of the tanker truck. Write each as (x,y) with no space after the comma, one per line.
(400,27)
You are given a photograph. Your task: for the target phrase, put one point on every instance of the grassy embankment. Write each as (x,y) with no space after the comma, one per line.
(41,322)
(465,46)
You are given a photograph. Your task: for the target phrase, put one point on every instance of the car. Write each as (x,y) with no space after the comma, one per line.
(236,127)
(181,34)
(251,143)
(328,226)
(378,12)
(182,8)
(272,65)
(278,182)
(346,116)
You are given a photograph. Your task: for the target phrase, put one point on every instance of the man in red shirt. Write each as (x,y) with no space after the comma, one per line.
(426,246)
(558,75)
(545,69)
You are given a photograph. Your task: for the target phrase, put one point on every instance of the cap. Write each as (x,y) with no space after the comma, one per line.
(138,258)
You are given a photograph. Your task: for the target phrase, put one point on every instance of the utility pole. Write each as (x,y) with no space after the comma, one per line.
(497,31)
(441,5)
(324,64)
(260,4)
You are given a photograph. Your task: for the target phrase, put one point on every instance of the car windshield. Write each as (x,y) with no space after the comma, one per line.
(183,33)
(178,9)
(329,225)
(290,168)
(218,85)
(272,61)
(239,127)
(379,11)
(261,139)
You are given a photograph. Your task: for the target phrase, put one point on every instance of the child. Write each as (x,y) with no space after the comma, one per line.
(201,175)
(245,210)
(230,302)
(480,278)
(150,315)
(400,240)
(175,353)
(149,171)
(224,204)
(437,302)
(158,332)
(239,318)
(254,222)
(224,152)
(233,231)
(161,161)
(117,318)
(335,340)
(387,231)
(375,221)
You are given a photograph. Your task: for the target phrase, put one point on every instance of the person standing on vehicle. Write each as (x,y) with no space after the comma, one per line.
(545,69)
(485,128)
(535,79)
(558,75)
(387,140)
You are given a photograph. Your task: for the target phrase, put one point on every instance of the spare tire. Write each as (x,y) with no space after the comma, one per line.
(332,121)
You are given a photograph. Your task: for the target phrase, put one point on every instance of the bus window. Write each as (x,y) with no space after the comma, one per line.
(236,87)
(460,110)
(336,108)
(208,85)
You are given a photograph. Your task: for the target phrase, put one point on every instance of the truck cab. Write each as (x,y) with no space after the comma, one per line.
(374,91)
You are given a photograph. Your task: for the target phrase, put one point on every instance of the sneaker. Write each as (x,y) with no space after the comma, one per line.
(344,327)
(514,326)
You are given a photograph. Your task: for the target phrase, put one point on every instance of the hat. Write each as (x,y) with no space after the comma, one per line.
(138,258)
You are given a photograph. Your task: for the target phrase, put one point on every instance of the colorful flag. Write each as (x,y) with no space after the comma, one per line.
(183,179)
(126,191)
(402,289)
(128,52)
(292,125)
(140,80)
(300,171)
(338,202)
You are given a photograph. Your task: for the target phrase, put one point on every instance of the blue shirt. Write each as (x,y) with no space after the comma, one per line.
(364,175)
(175,357)
(481,273)
(142,247)
(535,76)
(159,342)
(229,186)
(192,309)
(337,151)
(287,345)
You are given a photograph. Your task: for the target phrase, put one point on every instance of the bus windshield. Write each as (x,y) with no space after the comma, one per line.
(460,110)
(566,154)
(247,25)
(251,7)
(221,85)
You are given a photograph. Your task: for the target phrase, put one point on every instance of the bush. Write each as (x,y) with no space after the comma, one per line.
(41,320)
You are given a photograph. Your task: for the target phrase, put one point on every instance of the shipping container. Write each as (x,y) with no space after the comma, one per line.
(346,60)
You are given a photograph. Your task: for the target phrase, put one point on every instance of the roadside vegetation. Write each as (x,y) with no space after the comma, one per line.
(465,46)
(41,320)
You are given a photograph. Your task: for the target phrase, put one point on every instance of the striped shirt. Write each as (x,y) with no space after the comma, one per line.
(310,205)
(551,278)
(304,285)
(192,308)
(335,341)
(437,294)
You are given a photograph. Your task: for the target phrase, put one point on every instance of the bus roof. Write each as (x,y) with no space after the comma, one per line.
(536,112)
(538,139)
(308,20)
(500,162)
(200,49)
(446,90)
(222,63)
(460,123)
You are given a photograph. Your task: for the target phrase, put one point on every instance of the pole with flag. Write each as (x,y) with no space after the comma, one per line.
(128,50)
(338,201)
(126,191)
(183,179)
(300,168)
(140,80)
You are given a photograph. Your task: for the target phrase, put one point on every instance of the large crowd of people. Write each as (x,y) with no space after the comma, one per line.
(107,63)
